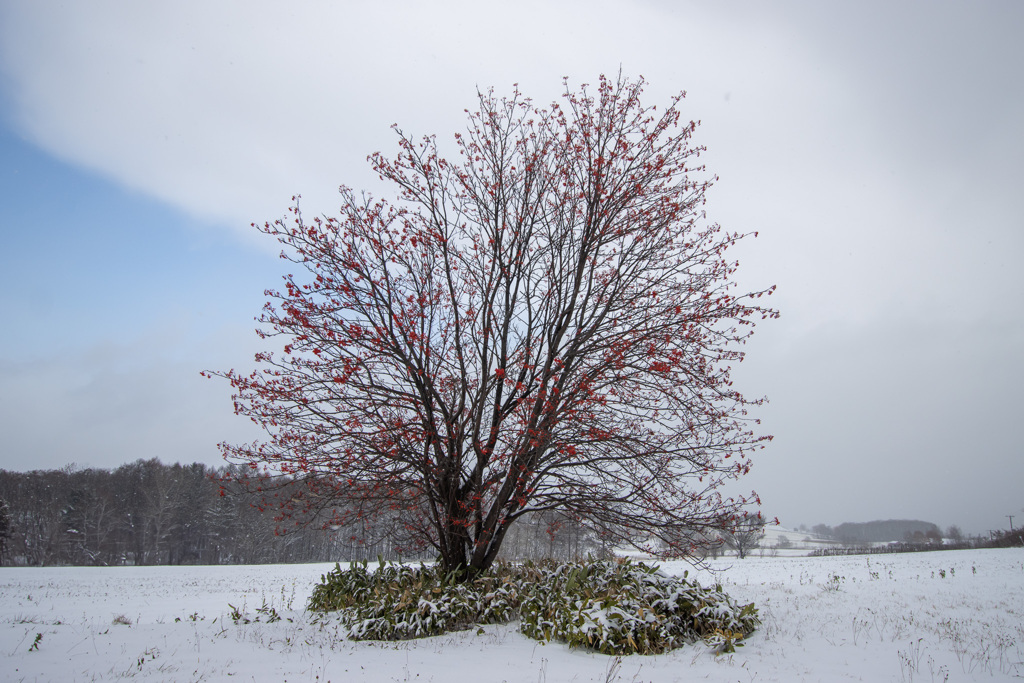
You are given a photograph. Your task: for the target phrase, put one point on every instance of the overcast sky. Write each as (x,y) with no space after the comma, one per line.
(876,146)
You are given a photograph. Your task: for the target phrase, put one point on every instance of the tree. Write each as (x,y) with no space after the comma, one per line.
(745,535)
(823,531)
(5,528)
(546,324)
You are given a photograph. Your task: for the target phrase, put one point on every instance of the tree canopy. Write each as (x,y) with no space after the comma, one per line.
(546,322)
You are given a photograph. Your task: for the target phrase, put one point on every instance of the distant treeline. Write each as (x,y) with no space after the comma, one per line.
(996,539)
(909,531)
(905,536)
(148,513)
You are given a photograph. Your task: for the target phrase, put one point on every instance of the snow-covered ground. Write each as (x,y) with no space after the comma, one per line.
(956,616)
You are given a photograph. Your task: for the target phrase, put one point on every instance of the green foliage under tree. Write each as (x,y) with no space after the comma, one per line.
(613,607)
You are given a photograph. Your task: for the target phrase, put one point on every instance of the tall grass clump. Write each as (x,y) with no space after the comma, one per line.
(615,608)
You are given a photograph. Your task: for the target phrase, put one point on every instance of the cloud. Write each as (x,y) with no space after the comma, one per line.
(227,109)
(112,403)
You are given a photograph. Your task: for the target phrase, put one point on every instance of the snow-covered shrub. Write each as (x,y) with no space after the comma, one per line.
(395,602)
(626,607)
(612,607)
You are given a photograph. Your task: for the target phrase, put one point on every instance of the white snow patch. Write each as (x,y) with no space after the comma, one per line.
(955,615)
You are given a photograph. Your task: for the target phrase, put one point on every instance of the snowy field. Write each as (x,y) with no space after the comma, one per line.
(956,616)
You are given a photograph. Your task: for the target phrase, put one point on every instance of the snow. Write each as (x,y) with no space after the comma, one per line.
(937,616)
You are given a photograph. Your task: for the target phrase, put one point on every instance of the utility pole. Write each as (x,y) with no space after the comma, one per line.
(1011,522)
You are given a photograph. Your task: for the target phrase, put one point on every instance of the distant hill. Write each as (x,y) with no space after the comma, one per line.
(884,531)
